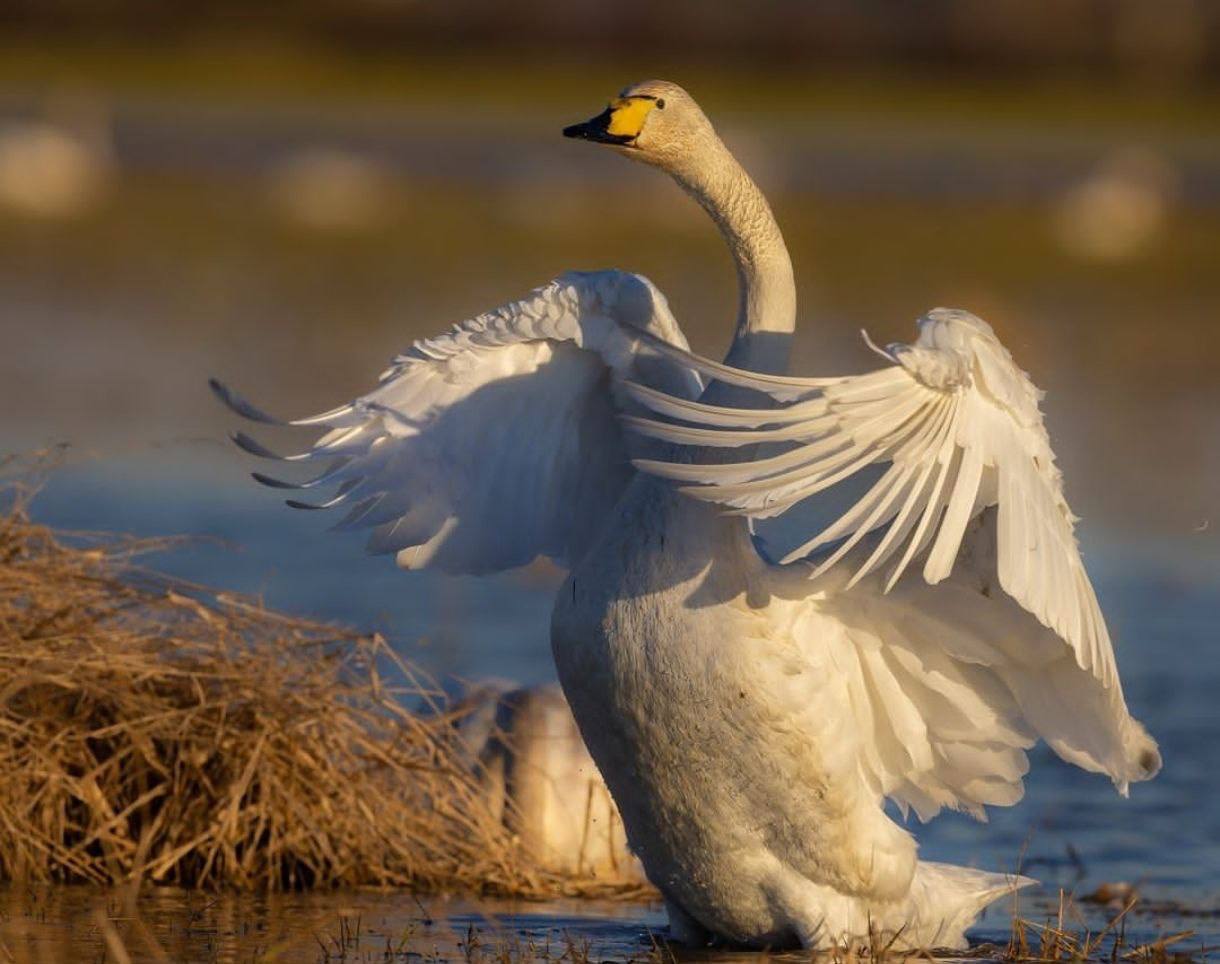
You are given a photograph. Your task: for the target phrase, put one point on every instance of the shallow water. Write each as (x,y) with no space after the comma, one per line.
(70,924)
(66,924)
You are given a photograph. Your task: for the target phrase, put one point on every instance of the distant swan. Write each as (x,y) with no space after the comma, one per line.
(750,720)
(539,780)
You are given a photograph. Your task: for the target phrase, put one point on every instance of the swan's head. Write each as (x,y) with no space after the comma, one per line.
(654,121)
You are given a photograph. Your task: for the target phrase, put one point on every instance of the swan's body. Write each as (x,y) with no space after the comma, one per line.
(750,720)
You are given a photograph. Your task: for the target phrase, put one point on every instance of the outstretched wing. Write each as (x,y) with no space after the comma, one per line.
(962,484)
(498,441)
(957,424)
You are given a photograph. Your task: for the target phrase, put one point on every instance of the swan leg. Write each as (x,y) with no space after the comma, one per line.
(683,928)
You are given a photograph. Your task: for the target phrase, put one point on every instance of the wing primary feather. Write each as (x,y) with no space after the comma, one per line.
(871,386)
(255,447)
(1074,613)
(802,483)
(781,387)
(338,442)
(895,522)
(897,530)
(236,403)
(815,462)
(953,526)
(1007,533)
(1024,555)
(722,437)
(341,496)
(946,457)
(905,519)
(357,513)
(885,489)
(335,469)
(689,410)
(806,478)
(758,470)
(239,405)
(335,418)
(882,506)
(273,483)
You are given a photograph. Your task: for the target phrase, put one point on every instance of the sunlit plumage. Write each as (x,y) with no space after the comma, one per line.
(752,708)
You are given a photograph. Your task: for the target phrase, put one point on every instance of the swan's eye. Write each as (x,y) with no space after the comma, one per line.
(660,103)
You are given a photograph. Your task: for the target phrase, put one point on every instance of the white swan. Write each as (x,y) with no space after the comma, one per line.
(750,721)
(540,781)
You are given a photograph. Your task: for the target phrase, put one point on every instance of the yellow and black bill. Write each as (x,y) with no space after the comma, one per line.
(620,123)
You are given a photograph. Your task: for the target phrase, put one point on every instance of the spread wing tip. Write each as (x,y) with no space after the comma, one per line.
(335,418)
(254,447)
(273,483)
(235,403)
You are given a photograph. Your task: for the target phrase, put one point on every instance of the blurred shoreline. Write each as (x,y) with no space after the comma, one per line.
(364,83)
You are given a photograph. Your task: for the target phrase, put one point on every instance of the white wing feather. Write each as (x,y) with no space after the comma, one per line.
(958,422)
(498,441)
(956,426)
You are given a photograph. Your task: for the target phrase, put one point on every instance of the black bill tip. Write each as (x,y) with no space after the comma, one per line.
(596,129)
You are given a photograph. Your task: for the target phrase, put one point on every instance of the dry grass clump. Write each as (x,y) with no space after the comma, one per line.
(1056,943)
(155,730)
(1057,940)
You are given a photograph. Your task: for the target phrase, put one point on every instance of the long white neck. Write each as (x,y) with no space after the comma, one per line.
(766,303)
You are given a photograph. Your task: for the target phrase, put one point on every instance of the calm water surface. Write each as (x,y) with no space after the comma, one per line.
(65,925)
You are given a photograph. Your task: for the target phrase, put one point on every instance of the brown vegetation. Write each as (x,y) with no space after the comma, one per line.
(155,730)
(1059,942)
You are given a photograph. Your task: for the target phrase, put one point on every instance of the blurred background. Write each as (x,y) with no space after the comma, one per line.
(284,195)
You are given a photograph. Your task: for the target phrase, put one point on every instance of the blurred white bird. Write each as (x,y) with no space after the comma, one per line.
(749,720)
(58,168)
(1120,210)
(541,782)
(332,190)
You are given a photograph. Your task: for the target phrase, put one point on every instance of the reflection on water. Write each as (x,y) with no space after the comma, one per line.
(64,925)
(73,924)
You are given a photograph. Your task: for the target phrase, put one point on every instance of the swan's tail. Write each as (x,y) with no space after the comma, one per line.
(949,898)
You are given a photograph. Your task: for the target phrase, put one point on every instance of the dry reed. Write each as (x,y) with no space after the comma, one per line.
(1057,941)
(154,730)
